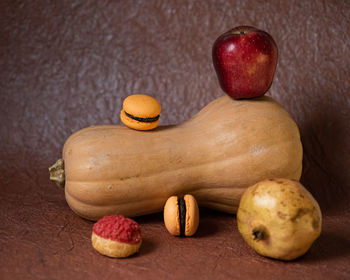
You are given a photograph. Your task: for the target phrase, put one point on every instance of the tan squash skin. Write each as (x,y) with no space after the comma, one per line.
(227,147)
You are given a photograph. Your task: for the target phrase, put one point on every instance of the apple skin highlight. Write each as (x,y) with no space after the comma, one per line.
(245,61)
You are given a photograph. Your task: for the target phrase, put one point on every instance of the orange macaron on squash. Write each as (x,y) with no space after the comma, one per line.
(140,112)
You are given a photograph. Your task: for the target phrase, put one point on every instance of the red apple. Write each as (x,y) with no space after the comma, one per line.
(245,60)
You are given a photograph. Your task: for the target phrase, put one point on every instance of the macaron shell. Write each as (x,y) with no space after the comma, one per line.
(192,215)
(142,106)
(171,216)
(129,122)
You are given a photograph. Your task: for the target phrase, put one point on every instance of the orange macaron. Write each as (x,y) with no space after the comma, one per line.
(140,112)
(181,215)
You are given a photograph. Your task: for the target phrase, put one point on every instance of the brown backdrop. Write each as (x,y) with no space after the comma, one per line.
(66,65)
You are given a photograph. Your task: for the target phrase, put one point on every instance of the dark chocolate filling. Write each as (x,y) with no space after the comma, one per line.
(146,120)
(182,214)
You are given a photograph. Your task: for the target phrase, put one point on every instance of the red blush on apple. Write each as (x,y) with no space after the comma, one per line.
(245,61)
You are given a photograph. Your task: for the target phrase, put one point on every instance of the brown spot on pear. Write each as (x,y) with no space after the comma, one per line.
(279,218)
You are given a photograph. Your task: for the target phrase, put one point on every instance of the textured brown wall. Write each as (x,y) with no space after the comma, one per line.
(65,65)
(68,65)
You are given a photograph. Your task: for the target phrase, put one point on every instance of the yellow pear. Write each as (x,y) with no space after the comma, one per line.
(279,218)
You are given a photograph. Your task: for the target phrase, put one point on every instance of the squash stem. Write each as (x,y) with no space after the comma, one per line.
(57,173)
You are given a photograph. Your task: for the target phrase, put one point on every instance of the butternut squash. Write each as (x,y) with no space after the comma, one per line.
(228,146)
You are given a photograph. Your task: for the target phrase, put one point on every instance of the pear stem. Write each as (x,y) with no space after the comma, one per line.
(258,233)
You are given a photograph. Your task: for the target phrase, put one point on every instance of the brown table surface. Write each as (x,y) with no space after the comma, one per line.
(67,65)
